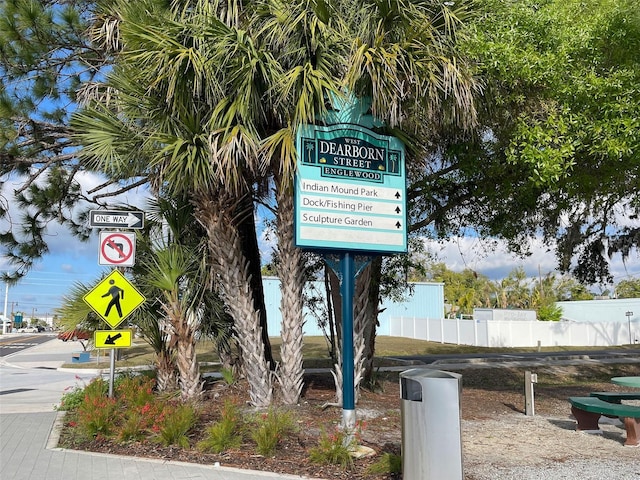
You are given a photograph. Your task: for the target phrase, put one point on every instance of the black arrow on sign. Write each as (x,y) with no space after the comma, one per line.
(398,195)
(112,340)
(398,225)
(398,210)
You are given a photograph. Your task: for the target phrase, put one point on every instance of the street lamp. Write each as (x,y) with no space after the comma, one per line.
(629,315)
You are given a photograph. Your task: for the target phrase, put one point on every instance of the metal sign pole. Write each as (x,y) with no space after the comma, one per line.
(347,290)
(112,371)
(350,196)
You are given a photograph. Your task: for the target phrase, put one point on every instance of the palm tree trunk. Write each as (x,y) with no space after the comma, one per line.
(251,251)
(166,378)
(291,273)
(336,302)
(361,302)
(217,215)
(331,310)
(187,362)
(371,318)
(184,339)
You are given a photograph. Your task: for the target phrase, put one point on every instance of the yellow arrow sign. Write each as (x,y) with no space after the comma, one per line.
(112,338)
(114,298)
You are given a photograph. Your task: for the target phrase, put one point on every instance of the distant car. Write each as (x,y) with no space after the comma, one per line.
(28,330)
(40,328)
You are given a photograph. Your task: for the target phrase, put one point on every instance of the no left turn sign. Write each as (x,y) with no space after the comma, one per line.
(117,248)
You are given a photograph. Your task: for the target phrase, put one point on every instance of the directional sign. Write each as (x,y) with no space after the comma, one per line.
(117,248)
(350,190)
(116,219)
(112,338)
(114,299)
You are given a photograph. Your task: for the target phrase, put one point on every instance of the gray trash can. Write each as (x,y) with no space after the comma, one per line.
(431,434)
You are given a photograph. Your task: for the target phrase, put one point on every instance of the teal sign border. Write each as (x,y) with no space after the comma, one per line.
(361,176)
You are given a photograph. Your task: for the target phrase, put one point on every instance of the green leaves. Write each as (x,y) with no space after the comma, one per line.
(562,104)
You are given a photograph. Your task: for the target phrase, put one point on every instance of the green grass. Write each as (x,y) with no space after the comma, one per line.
(316,353)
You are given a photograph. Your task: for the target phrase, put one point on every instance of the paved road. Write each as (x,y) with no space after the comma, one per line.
(13,343)
(607,356)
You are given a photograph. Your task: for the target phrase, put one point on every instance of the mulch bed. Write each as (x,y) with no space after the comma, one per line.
(487,392)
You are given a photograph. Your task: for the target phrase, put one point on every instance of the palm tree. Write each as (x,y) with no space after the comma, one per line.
(403,58)
(75,313)
(177,271)
(305,42)
(150,321)
(170,118)
(208,97)
(170,222)
(227,124)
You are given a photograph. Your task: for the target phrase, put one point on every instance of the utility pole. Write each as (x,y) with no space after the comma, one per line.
(629,315)
(6,298)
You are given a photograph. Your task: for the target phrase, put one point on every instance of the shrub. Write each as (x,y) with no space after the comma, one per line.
(138,407)
(71,400)
(174,423)
(271,427)
(132,427)
(134,391)
(97,414)
(332,449)
(223,435)
(97,387)
(387,464)
(550,313)
(228,376)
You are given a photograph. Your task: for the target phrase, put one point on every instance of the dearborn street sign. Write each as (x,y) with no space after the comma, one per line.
(350,190)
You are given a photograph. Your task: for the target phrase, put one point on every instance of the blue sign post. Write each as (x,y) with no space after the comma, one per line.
(347,290)
(350,198)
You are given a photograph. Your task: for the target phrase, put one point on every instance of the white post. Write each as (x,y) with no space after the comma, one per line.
(6,298)
(529,403)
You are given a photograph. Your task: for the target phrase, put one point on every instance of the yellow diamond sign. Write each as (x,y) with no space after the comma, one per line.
(114,299)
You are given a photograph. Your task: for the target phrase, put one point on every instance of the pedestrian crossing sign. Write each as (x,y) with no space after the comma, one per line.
(114,298)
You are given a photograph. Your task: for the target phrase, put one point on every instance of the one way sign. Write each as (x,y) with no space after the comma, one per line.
(116,219)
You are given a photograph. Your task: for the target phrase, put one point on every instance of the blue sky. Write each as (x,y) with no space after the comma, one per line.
(68,262)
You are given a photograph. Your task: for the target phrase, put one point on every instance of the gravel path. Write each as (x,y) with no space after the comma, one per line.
(517,447)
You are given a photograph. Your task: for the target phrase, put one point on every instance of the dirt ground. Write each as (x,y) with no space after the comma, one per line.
(495,431)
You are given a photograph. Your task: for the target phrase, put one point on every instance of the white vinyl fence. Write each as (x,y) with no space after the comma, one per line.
(517,333)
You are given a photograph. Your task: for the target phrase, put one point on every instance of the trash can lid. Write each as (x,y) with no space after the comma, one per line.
(428,373)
